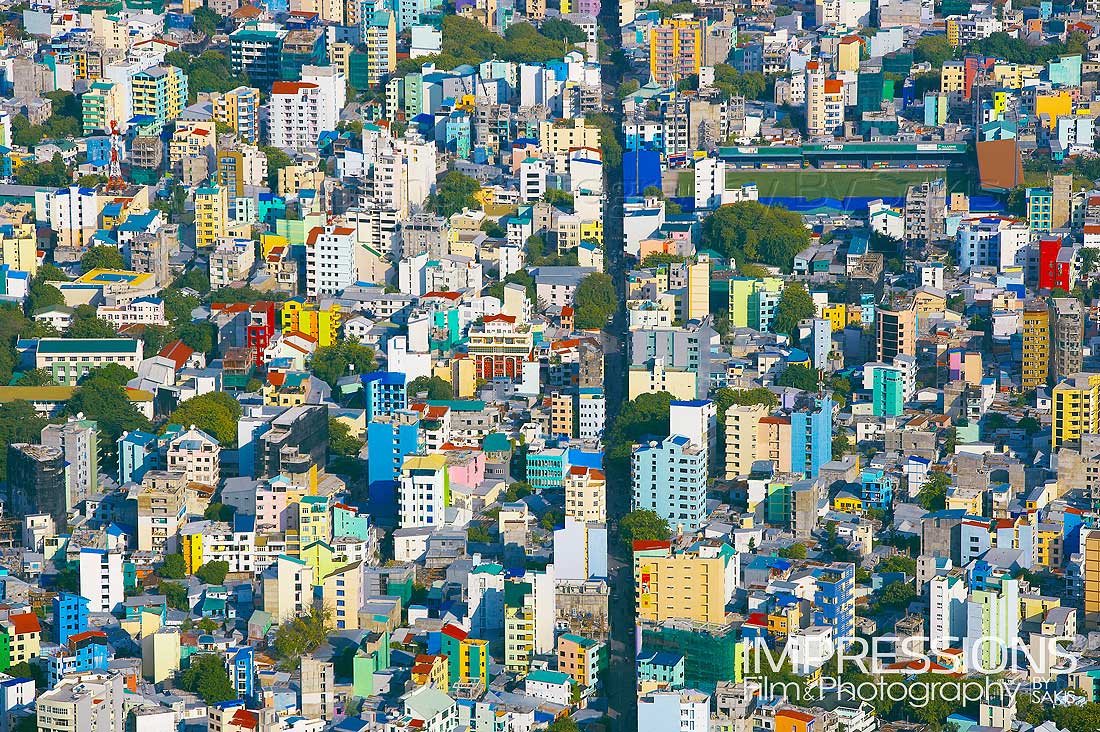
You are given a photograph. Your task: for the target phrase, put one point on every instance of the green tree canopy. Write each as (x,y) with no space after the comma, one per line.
(176,595)
(19,422)
(454,192)
(933,494)
(437,389)
(933,50)
(594,302)
(645,416)
(642,525)
(562,30)
(340,439)
(300,636)
(798,377)
(206,676)
(92,328)
(795,305)
(331,363)
(102,257)
(215,413)
(748,230)
(173,568)
(213,573)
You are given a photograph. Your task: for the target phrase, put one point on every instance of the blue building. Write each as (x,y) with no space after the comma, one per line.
(86,652)
(385,393)
(70,616)
(812,435)
(137,455)
(546,468)
(834,600)
(240,664)
(670,478)
(389,440)
(877,488)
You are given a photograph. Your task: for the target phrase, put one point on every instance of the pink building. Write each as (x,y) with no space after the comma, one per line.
(465,466)
(271,504)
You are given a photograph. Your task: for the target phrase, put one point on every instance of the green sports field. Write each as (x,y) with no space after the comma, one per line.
(811,183)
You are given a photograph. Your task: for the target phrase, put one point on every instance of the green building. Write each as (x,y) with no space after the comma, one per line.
(373,656)
(711,653)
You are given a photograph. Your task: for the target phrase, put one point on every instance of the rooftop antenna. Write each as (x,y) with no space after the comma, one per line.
(115,183)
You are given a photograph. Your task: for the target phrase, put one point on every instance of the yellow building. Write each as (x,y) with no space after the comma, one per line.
(1053,105)
(1048,540)
(1036,344)
(211,215)
(837,315)
(676,49)
(1075,409)
(160,654)
(1092,579)
(685,585)
(952,74)
(461,373)
(656,377)
(340,592)
(848,53)
(304,317)
(847,503)
(557,137)
(240,109)
(742,423)
(592,231)
(18,248)
(697,293)
(431,671)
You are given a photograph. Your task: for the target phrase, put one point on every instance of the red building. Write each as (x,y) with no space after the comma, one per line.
(1056,264)
(245,325)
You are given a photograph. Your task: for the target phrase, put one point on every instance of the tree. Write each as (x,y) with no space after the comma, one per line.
(645,416)
(933,50)
(642,525)
(559,198)
(102,257)
(437,389)
(176,595)
(563,724)
(798,377)
(195,278)
(276,161)
(206,676)
(562,30)
(36,377)
(933,494)
(795,305)
(206,21)
(748,230)
(609,141)
(332,363)
(897,595)
(300,636)
(199,336)
(215,413)
(841,446)
(898,563)
(42,295)
(594,301)
(213,573)
(217,511)
(341,441)
(92,328)
(794,551)
(67,579)
(174,567)
(656,259)
(732,83)
(454,192)
(724,398)
(108,404)
(478,534)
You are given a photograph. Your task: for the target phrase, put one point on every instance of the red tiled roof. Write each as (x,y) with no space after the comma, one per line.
(641,546)
(178,352)
(25,623)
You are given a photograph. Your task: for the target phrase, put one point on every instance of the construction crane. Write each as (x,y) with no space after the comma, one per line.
(115,183)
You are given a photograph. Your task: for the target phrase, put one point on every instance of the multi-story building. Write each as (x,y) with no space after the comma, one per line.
(670,478)
(240,109)
(500,346)
(211,215)
(1091,549)
(583,659)
(101,579)
(1035,329)
(693,584)
(160,93)
(101,105)
(161,506)
(824,102)
(380,39)
(586,494)
(255,49)
(231,260)
(424,491)
(1067,333)
(673,711)
(925,210)
(193,453)
(991,241)
(37,482)
(77,440)
(320,323)
(897,333)
(676,49)
(467,658)
(742,422)
(528,618)
(302,110)
(90,702)
(287,588)
(330,259)
(74,216)
(1075,408)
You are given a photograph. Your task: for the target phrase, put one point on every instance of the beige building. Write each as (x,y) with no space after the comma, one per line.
(742,423)
(195,454)
(656,377)
(342,594)
(287,588)
(83,703)
(586,494)
(160,655)
(161,506)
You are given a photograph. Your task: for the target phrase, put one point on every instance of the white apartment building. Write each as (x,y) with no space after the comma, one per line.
(330,259)
(74,215)
(231,260)
(195,454)
(532,180)
(140,311)
(674,711)
(302,110)
(101,579)
(824,102)
(89,702)
(991,241)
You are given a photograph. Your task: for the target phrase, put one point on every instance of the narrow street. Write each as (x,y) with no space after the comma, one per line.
(621,687)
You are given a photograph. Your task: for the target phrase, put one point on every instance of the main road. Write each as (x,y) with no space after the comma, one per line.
(620,686)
